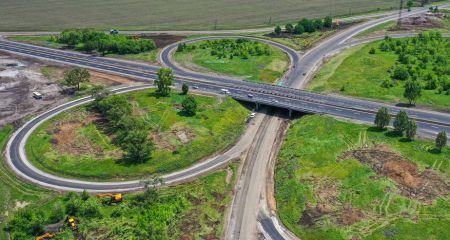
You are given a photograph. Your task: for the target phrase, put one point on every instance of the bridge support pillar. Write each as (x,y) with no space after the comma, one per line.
(290,113)
(257,106)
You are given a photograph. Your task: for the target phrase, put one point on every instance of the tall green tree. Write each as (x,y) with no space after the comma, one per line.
(76,76)
(441,140)
(413,91)
(289,28)
(328,22)
(189,105)
(184,88)
(409,4)
(411,129)
(137,146)
(382,118)
(401,121)
(277,30)
(164,81)
(299,29)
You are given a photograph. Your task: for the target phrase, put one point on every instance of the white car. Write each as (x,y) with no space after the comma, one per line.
(224,91)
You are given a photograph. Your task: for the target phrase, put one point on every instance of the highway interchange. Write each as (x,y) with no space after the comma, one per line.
(247,205)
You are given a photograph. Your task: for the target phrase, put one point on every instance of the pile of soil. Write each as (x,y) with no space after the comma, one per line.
(423,21)
(423,186)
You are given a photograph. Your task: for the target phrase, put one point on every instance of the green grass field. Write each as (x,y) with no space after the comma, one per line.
(298,42)
(180,140)
(310,172)
(37,15)
(263,68)
(355,72)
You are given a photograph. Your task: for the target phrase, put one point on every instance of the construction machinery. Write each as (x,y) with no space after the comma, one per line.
(114,197)
(72,223)
(47,235)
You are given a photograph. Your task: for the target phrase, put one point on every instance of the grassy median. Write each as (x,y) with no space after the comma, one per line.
(339,180)
(243,58)
(77,144)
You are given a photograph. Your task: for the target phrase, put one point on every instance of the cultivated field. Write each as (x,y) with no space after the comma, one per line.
(34,15)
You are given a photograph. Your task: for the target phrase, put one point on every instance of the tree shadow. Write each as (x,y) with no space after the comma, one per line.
(376,129)
(157,95)
(405,140)
(434,151)
(405,105)
(185,114)
(393,134)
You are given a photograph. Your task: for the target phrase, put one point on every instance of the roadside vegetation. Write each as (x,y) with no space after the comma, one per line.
(241,57)
(90,41)
(112,138)
(339,180)
(402,71)
(193,210)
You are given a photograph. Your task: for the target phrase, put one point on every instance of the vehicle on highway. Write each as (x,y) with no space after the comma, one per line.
(224,91)
(249,95)
(113,31)
(195,87)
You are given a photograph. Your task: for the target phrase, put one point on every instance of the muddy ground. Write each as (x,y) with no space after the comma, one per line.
(20,77)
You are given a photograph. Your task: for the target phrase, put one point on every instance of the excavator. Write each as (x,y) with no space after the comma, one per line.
(47,235)
(114,197)
(72,223)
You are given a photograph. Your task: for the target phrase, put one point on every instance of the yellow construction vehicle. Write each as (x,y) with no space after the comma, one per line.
(72,223)
(45,236)
(114,197)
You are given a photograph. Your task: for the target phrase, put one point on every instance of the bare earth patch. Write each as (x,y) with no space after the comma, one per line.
(424,186)
(66,138)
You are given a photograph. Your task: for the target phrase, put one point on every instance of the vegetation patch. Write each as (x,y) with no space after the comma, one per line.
(402,70)
(84,144)
(339,180)
(189,211)
(236,57)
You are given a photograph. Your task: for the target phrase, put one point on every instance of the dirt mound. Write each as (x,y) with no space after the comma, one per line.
(424,186)
(350,216)
(428,20)
(162,40)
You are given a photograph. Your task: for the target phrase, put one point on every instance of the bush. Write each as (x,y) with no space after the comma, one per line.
(189,105)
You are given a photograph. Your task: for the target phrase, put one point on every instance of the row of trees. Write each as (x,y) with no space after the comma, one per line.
(306,25)
(404,125)
(89,40)
(423,63)
(230,48)
(131,131)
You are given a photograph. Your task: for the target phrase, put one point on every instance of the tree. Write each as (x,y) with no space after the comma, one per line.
(137,146)
(411,129)
(189,105)
(328,22)
(400,122)
(289,28)
(318,24)
(76,76)
(99,92)
(441,140)
(409,4)
(308,25)
(299,29)
(401,73)
(185,88)
(164,81)
(413,91)
(382,118)
(277,30)
(372,51)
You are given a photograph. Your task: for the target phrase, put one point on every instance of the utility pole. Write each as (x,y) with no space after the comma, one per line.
(399,21)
